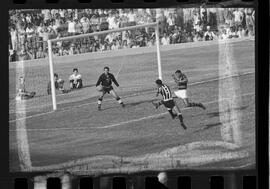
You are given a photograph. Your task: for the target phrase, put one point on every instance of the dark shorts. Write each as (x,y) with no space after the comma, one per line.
(107,89)
(75,85)
(169,104)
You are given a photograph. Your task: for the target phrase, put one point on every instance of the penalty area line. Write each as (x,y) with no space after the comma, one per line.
(120,123)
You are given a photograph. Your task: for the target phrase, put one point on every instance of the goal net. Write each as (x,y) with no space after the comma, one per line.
(132,54)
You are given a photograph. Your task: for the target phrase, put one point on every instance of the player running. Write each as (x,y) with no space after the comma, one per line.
(22,93)
(104,85)
(168,102)
(181,81)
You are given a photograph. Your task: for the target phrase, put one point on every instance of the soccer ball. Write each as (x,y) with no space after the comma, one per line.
(99,88)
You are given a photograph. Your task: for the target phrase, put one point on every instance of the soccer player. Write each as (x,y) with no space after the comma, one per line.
(58,83)
(75,80)
(105,86)
(168,102)
(181,81)
(22,93)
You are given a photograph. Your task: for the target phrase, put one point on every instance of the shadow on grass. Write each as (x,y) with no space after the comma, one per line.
(208,126)
(216,114)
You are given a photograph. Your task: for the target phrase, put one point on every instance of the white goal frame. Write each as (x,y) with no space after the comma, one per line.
(155,25)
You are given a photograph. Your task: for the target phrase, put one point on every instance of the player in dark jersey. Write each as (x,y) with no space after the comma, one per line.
(168,102)
(181,81)
(104,85)
(58,83)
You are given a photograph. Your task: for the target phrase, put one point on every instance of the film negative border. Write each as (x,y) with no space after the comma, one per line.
(249,177)
(241,180)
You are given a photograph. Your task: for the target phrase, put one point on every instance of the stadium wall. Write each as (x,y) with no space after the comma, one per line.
(121,52)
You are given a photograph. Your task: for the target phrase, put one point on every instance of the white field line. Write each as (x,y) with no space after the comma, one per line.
(120,123)
(136,94)
(185,161)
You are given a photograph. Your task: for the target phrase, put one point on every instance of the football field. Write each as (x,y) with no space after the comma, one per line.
(78,134)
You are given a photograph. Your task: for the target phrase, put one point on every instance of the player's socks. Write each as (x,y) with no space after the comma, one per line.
(120,101)
(172,114)
(99,103)
(181,121)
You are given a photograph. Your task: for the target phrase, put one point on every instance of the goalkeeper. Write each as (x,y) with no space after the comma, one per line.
(58,83)
(22,93)
(104,85)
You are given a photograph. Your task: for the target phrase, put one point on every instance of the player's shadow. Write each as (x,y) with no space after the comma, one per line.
(216,114)
(138,103)
(208,126)
(89,85)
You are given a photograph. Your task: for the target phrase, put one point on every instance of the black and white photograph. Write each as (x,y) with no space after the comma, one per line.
(99,91)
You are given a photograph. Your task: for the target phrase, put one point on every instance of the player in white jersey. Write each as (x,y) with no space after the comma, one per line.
(168,101)
(75,80)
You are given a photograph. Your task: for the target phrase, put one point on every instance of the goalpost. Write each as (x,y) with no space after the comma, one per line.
(154,25)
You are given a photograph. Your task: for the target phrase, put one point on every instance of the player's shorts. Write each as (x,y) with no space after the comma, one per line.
(107,89)
(169,104)
(75,85)
(182,93)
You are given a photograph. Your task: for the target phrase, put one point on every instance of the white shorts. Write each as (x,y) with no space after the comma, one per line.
(181,93)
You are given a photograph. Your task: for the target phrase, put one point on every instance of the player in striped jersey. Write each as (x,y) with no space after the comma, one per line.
(181,81)
(168,102)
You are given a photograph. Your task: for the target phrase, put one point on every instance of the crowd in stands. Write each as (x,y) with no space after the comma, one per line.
(30,29)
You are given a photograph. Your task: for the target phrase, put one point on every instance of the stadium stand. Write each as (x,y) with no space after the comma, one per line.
(30,29)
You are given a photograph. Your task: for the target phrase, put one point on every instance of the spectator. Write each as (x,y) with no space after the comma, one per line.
(170,22)
(209,35)
(229,17)
(23,54)
(40,53)
(151,42)
(238,18)
(212,17)
(176,35)
(131,16)
(78,27)
(125,44)
(165,40)
(162,23)
(45,37)
(14,38)
(241,32)
(232,32)
(72,50)
(250,20)
(179,25)
(224,34)
(85,24)
(71,27)
(21,33)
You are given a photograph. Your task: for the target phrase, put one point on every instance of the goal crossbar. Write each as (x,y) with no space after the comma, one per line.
(154,24)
